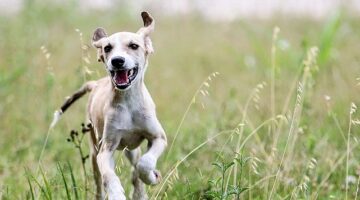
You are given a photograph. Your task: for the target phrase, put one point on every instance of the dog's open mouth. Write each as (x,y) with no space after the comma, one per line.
(123,78)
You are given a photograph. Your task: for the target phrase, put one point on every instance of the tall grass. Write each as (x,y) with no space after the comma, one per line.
(260,130)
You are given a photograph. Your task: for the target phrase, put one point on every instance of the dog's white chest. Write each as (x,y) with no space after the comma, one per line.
(129,126)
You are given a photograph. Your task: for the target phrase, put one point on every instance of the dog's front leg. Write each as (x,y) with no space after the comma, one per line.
(147,163)
(106,165)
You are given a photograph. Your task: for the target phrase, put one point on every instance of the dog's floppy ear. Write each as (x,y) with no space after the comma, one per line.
(99,34)
(149,25)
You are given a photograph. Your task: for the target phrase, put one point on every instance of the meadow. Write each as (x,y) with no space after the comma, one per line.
(253,109)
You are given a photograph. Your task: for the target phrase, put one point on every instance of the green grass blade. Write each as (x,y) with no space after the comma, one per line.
(328,37)
(42,189)
(47,185)
(64,180)
(12,75)
(31,188)
(73,181)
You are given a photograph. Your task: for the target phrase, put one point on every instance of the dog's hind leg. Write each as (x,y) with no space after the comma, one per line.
(97,176)
(139,187)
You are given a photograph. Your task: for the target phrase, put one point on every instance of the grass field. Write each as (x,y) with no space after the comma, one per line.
(253,109)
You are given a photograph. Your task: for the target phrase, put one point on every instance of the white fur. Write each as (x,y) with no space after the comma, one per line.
(122,119)
(56,118)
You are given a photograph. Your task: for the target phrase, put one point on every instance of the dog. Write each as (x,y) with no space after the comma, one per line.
(121,112)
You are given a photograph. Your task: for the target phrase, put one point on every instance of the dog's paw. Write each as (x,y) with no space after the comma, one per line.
(146,169)
(153,177)
(150,177)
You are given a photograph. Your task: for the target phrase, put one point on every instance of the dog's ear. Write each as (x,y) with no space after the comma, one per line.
(99,34)
(149,25)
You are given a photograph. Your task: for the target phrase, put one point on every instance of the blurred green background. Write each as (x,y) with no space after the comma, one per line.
(45,55)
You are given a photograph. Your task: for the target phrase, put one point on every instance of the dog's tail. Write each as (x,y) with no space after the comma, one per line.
(87,87)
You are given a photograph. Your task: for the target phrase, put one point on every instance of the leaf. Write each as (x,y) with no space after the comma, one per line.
(242,161)
(227,166)
(236,190)
(219,165)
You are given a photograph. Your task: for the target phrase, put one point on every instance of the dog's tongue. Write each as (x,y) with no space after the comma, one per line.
(121,77)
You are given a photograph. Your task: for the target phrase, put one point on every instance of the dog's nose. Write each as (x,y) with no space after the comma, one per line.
(118,61)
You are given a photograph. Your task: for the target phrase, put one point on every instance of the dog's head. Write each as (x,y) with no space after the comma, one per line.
(125,54)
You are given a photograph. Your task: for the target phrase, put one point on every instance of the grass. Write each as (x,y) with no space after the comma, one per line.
(273,124)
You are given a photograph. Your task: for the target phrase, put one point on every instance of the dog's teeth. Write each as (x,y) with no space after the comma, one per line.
(131,72)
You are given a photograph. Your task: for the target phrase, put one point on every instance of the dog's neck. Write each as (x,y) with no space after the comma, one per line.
(133,94)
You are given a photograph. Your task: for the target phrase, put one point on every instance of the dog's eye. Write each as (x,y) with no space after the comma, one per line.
(133,46)
(107,48)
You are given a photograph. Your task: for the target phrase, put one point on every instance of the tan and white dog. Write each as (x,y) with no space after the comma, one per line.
(122,112)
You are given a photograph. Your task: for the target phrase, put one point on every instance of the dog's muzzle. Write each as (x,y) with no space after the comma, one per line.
(121,75)
(122,78)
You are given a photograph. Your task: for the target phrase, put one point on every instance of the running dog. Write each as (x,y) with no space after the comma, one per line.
(121,112)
